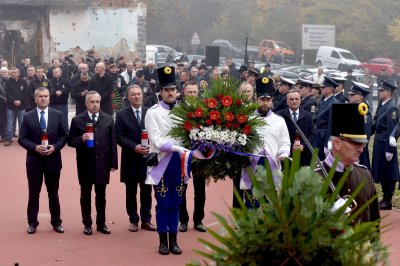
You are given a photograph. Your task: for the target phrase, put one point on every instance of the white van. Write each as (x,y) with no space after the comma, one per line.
(333,57)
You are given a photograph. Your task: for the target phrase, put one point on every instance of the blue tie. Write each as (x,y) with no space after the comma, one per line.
(42,120)
(138,116)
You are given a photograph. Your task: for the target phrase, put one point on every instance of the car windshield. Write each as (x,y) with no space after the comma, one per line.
(282,45)
(348,55)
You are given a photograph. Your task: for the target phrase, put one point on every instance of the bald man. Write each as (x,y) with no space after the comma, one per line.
(103,83)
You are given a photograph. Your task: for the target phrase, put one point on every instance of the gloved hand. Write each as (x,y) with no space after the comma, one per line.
(389,156)
(392,141)
(179,149)
(282,156)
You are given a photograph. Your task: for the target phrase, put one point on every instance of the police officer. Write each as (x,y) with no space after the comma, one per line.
(308,103)
(385,167)
(322,122)
(166,176)
(348,140)
(357,94)
(281,101)
(339,93)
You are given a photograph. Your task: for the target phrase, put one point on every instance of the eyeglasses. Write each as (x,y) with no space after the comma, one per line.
(353,142)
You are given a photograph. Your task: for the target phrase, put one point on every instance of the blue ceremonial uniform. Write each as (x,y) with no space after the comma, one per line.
(364,156)
(385,172)
(323,125)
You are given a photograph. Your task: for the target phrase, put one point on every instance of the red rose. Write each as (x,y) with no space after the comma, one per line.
(114,106)
(188,125)
(190,115)
(246,129)
(218,121)
(198,126)
(198,113)
(228,124)
(220,96)
(226,101)
(238,102)
(209,122)
(229,116)
(212,103)
(241,118)
(214,115)
(236,125)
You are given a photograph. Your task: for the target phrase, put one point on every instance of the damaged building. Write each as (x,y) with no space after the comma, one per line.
(47,29)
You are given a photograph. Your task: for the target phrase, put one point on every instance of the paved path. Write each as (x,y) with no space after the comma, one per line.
(122,247)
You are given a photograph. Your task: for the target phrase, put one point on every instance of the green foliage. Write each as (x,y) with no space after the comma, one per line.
(294,226)
(116,99)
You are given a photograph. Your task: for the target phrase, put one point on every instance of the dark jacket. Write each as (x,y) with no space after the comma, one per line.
(30,137)
(305,122)
(281,102)
(33,85)
(309,104)
(94,164)
(16,90)
(104,86)
(76,93)
(62,85)
(133,166)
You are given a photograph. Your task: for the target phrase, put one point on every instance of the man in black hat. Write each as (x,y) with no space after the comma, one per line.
(275,139)
(358,94)
(339,90)
(348,141)
(385,167)
(281,101)
(322,121)
(165,173)
(252,76)
(243,73)
(308,103)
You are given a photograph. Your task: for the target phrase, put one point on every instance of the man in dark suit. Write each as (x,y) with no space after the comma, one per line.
(43,159)
(78,92)
(95,161)
(304,120)
(129,125)
(103,83)
(308,103)
(281,100)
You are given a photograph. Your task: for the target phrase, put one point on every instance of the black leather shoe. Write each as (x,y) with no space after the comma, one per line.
(58,229)
(133,227)
(104,229)
(182,227)
(200,227)
(148,226)
(87,230)
(384,205)
(163,248)
(173,244)
(31,229)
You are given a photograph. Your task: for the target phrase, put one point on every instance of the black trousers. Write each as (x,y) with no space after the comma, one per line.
(145,201)
(199,185)
(86,204)
(3,120)
(35,181)
(388,189)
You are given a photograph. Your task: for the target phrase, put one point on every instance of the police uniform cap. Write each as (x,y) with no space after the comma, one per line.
(264,87)
(329,82)
(287,81)
(166,76)
(252,72)
(348,122)
(386,85)
(242,69)
(304,83)
(359,88)
(339,79)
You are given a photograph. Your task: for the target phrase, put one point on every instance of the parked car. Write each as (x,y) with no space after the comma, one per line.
(161,52)
(273,51)
(287,74)
(337,58)
(192,57)
(229,48)
(375,65)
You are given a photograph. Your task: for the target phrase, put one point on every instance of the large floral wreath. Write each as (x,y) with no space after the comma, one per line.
(221,123)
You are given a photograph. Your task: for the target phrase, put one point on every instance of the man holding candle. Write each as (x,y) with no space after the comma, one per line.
(43,160)
(94,159)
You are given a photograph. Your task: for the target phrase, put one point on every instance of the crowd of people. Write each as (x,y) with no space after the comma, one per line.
(36,99)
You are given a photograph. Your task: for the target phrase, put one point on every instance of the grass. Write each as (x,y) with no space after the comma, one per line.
(396,196)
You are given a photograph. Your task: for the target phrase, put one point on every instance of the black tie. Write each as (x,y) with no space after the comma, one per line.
(295,116)
(42,120)
(94,119)
(138,116)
